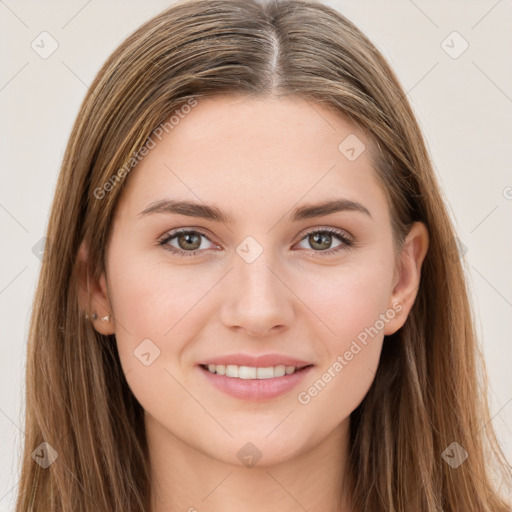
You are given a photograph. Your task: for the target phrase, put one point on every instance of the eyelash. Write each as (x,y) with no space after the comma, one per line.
(340,235)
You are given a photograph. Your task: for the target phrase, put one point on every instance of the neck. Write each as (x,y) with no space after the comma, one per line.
(186,479)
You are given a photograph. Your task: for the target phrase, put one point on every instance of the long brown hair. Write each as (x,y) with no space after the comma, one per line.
(429,390)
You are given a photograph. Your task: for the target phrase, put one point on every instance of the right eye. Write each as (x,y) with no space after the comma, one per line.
(185,239)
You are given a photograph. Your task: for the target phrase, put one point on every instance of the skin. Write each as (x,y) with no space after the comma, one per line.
(257,160)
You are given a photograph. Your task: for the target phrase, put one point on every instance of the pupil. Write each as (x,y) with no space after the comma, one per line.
(318,238)
(188,237)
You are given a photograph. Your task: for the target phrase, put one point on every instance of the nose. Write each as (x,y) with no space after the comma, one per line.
(258,300)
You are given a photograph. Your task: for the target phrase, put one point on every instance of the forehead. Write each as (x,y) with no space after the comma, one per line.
(256,153)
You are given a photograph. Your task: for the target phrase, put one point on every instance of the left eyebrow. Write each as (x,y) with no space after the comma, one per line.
(193,209)
(326,208)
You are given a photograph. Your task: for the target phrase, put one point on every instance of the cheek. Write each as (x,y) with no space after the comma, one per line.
(350,299)
(158,310)
(132,294)
(354,304)
(153,306)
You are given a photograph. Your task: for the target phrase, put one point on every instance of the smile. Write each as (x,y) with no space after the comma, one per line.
(255,383)
(251,372)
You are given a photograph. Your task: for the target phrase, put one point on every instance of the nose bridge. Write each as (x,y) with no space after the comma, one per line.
(257,299)
(255,283)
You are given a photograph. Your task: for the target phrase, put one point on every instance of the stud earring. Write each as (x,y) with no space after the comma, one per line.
(105,318)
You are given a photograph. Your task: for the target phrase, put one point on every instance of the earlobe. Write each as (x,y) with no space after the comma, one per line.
(407,283)
(93,294)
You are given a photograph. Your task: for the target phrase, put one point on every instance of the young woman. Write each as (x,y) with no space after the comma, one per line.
(250,298)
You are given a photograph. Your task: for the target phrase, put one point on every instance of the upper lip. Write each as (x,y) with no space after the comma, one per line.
(257,361)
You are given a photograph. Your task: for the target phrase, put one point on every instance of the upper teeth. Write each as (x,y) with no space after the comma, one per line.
(251,372)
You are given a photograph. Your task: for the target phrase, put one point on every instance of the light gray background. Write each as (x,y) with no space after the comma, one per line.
(464,106)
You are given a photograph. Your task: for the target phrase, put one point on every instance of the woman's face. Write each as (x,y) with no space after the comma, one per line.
(262,292)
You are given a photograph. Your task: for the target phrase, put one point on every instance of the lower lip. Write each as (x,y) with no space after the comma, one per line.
(256,389)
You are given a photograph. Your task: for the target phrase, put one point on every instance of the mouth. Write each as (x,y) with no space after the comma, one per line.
(262,381)
(253,372)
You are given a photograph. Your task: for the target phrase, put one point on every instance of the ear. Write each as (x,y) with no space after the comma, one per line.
(407,275)
(93,295)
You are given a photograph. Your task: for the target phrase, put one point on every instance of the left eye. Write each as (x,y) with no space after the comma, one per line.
(189,241)
(322,237)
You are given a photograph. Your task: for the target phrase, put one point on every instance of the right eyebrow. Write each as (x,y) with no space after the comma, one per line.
(188,208)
